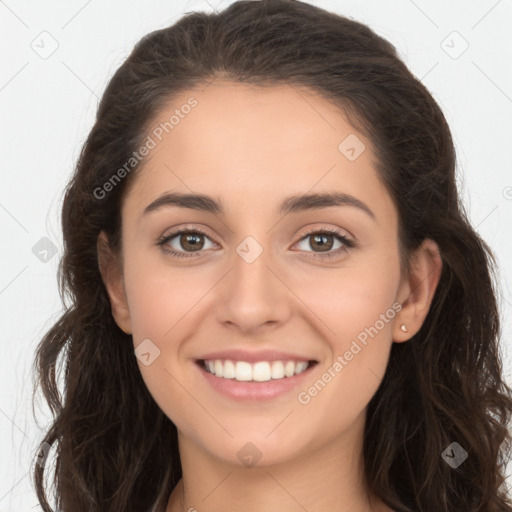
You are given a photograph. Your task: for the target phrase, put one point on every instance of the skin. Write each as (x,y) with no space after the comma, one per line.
(251,148)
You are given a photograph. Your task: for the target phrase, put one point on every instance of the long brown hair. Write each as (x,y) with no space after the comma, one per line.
(115,449)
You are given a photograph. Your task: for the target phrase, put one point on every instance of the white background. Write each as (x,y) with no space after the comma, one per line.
(47,107)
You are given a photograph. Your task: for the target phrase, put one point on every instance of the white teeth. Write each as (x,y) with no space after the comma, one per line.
(218,368)
(229,370)
(300,367)
(261,371)
(277,371)
(243,370)
(289,369)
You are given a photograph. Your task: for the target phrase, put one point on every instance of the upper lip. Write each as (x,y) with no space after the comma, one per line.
(254,356)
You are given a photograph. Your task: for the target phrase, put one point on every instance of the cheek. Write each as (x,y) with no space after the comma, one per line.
(356,313)
(158,295)
(350,299)
(159,300)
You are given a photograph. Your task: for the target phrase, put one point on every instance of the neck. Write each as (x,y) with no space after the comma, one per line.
(328,478)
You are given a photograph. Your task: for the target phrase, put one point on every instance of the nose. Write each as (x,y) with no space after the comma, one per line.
(253,295)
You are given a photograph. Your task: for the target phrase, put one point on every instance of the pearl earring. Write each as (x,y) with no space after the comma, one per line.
(403,328)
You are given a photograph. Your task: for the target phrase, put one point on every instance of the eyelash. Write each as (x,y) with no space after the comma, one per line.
(348,244)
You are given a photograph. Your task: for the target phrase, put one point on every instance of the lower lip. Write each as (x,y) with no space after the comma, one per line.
(254,391)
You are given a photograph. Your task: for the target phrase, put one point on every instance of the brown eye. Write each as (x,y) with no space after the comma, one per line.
(184,243)
(321,241)
(191,241)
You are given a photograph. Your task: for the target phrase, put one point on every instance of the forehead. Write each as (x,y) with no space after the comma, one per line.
(241,123)
(255,145)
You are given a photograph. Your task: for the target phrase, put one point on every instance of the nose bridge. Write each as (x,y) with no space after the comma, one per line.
(253,295)
(251,265)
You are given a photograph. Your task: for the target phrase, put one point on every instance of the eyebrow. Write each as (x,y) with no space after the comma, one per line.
(292,204)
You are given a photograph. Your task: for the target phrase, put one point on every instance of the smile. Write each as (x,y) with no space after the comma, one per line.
(261,371)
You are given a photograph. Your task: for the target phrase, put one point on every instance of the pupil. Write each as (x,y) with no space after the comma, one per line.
(193,245)
(323,244)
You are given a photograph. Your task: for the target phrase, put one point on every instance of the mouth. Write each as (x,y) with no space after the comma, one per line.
(257,372)
(250,376)
(254,382)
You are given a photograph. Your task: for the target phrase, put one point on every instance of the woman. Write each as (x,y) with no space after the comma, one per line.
(277,300)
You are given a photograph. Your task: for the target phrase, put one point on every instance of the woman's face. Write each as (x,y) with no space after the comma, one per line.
(248,283)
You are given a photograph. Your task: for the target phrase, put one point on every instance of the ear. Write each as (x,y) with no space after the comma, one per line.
(417,290)
(112,274)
